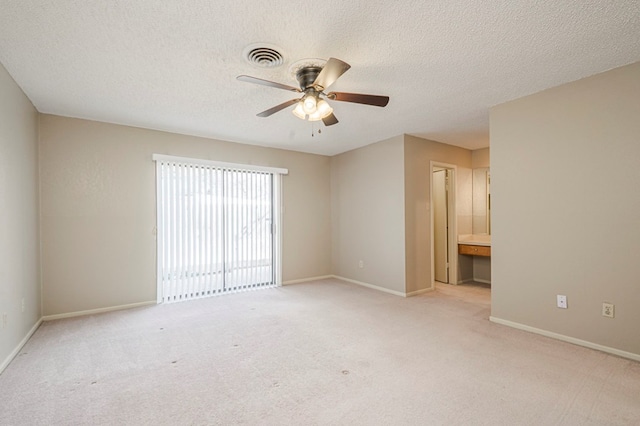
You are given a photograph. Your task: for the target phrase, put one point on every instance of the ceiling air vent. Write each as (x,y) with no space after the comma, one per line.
(264,56)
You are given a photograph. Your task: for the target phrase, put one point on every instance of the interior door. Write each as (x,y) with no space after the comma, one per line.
(440,225)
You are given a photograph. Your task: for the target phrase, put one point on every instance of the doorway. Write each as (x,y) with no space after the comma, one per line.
(443,224)
(440,225)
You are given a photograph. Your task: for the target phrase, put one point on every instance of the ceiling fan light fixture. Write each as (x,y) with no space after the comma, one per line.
(298,111)
(323,110)
(309,103)
(313,79)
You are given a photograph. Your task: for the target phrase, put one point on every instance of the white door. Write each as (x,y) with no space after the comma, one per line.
(440,225)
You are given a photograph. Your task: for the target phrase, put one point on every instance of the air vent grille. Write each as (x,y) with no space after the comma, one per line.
(264,56)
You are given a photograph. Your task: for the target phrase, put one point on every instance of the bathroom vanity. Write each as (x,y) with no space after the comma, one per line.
(474,245)
(474,254)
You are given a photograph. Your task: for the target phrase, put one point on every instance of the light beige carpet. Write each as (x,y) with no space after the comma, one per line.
(323,353)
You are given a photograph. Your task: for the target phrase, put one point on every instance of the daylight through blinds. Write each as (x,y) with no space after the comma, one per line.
(215,230)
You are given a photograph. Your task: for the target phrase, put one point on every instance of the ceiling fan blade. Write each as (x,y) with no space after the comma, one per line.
(255,80)
(330,120)
(331,71)
(359,98)
(277,108)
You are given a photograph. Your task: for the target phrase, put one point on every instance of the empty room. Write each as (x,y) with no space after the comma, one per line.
(372,213)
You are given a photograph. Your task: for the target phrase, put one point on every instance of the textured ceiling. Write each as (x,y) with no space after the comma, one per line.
(171,65)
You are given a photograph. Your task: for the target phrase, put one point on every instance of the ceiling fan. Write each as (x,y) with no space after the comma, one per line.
(313,81)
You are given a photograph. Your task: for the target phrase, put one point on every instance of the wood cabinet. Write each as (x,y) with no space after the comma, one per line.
(473,250)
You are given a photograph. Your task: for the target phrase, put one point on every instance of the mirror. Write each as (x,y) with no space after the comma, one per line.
(481,201)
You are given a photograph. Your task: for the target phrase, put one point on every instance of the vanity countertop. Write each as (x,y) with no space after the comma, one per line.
(475,239)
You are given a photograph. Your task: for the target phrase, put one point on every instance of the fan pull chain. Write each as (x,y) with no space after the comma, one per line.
(313,132)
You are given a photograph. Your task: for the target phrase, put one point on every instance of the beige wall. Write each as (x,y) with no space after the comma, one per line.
(418,155)
(480,158)
(381,210)
(98,209)
(566,209)
(19,210)
(368,214)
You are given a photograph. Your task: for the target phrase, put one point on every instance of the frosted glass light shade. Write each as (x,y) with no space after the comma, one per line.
(309,104)
(298,111)
(323,110)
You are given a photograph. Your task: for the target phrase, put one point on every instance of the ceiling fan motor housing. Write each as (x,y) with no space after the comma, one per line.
(306,76)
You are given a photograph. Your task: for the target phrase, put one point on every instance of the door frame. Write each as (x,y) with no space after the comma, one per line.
(453,222)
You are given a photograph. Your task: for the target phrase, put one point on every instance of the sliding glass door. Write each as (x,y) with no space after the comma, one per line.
(216,229)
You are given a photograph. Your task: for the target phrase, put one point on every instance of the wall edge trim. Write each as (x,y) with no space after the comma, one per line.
(418,292)
(372,286)
(568,339)
(97,311)
(18,348)
(306,280)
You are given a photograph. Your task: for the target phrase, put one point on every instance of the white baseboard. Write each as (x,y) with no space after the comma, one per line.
(375,287)
(417,292)
(480,280)
(579,342)
(23,342)
(97,311)
(306,280)
(372,286)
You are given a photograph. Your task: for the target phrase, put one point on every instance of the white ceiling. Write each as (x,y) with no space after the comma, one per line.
(171,64)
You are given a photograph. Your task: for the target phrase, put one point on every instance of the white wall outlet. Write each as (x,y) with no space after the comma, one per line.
(23,304)
(361,264)
(5,319)
(608,310)
(561,301)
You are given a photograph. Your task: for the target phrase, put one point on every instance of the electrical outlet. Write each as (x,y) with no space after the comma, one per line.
(23,304)
(361,264)
(608,310)
(5,319)
(561,301)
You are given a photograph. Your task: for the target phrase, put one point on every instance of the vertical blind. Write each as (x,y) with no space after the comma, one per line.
(216,226)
